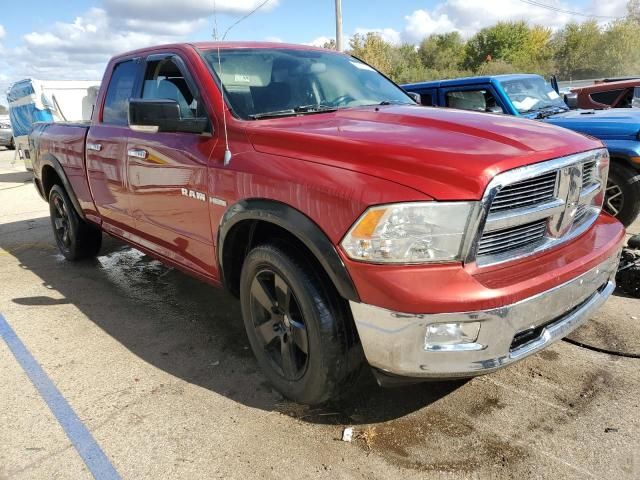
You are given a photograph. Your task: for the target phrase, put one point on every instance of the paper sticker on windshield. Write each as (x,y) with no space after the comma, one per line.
(242,78)
(362,66)
(553,95)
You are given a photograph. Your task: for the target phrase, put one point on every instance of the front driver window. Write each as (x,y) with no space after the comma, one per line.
(477,100)
(164,80)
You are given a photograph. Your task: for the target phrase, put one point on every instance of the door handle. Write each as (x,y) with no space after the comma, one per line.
(96,147)
(137,153)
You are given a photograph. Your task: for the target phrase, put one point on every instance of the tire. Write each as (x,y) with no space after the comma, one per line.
(623,193)
(75,238)
(301,331)
(12,144)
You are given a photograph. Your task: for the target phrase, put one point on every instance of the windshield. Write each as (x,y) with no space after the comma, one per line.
(532,94)
(261,83)
(635,103)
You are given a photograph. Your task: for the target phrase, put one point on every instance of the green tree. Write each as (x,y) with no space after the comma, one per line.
(330,45)
(504,41)
(406,65)
(620,49)
(442,51)
(372,49)
(578,50)
(633,10)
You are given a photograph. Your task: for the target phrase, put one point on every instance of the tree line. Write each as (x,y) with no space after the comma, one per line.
(577,51)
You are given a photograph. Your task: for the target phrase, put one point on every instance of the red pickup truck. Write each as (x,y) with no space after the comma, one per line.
(356,227)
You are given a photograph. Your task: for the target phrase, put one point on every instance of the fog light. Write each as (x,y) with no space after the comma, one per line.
(452,336)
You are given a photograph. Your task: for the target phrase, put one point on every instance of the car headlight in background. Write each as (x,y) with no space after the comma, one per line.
(419,232)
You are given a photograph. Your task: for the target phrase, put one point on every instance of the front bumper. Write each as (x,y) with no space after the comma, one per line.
(395,342)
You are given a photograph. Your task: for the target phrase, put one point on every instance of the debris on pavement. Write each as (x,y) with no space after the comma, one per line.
(347,434)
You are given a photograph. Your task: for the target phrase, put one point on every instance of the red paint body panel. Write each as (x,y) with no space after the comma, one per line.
(447,154)
(452,288)
(330,167)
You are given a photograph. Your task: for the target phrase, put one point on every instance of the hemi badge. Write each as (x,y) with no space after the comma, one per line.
(218,201)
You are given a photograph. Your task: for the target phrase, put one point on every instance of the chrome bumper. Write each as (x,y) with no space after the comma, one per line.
(395,342)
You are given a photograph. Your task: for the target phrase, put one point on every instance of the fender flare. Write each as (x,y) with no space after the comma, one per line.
(297,224)
(51,161)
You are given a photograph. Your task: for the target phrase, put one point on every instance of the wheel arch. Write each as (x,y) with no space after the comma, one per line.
(52,173)
(242,222)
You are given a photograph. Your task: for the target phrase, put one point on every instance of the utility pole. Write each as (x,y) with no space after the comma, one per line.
(339,25)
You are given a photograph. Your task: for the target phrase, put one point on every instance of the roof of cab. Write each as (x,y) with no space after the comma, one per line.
(468,81)
(223,46)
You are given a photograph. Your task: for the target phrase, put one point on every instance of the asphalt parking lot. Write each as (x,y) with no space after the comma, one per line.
(155,379)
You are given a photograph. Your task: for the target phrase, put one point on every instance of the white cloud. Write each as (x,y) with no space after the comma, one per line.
(469,16)
(319,41)
(79,49)
(388,34)
(171,10)
(421,24)
(3,32)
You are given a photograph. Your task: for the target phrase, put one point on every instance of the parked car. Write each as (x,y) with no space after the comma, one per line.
(530,96)
(622,94)
(6,135)
(356,227)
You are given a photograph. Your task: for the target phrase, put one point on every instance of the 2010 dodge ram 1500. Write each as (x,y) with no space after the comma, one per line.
(355,226)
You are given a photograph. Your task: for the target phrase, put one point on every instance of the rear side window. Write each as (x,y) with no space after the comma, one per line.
(606,98)
(119,92)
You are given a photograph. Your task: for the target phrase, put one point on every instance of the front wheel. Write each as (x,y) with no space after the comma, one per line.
(300,330)
(622,199)
(76,239)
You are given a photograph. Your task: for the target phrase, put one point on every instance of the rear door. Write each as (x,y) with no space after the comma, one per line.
(168,172)
(106,150)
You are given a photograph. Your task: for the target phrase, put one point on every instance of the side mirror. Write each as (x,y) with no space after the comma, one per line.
(155,115)
(416,97)
(571,99)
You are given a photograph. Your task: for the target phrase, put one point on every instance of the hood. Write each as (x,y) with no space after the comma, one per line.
(614,123)
(444,153)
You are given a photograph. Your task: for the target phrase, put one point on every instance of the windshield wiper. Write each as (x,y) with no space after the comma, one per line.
(544,112)
(301,110)
(395,102)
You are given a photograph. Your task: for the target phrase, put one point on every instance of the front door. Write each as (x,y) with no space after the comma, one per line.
(167,173)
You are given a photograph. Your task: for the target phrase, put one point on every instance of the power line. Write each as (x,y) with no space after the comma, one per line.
(553,8)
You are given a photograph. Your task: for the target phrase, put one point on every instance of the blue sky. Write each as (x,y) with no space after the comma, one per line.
(50,39)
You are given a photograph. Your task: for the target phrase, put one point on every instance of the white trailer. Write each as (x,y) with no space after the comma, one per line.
(32,101)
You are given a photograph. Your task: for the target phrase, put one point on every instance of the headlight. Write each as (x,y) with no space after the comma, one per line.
(409,233)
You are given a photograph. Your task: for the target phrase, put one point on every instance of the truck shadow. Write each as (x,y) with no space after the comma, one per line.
(184,327)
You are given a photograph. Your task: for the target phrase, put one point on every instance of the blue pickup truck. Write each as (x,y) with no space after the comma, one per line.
(530,96)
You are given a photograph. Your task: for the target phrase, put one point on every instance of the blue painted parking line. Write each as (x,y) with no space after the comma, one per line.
(89,450)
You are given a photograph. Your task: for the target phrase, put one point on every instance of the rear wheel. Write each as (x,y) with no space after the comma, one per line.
(75,238)
(622,199)
(300,330)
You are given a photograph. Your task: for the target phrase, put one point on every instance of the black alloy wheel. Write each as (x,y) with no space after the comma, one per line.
(279,324)
(61,224)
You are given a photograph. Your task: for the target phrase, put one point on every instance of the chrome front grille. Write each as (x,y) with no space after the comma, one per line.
(526,192)
(589,173)
(536,207)
(507,239)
